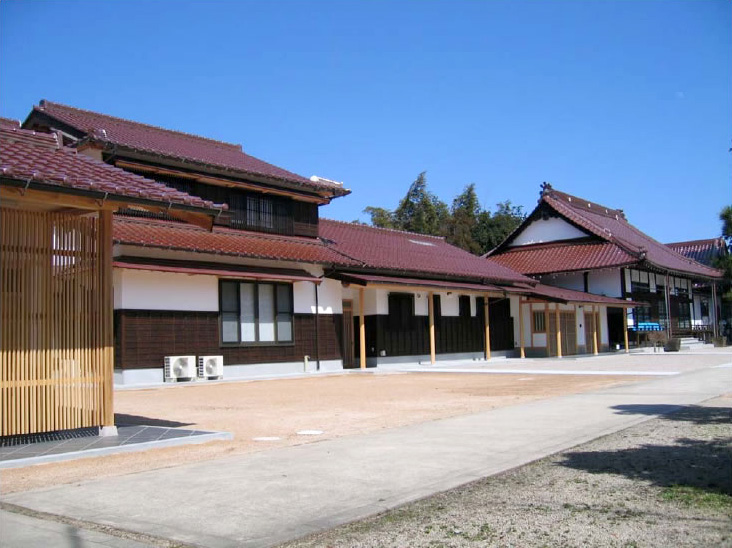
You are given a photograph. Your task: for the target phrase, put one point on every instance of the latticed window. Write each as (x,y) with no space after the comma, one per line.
(256,312)
(539,322)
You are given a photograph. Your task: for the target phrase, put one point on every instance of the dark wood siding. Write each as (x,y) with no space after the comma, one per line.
(501,324)
(144,337)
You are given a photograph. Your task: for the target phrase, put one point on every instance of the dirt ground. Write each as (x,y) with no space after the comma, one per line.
(339,405)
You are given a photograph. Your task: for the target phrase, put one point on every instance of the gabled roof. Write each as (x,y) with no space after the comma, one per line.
(702,251)
(409,253)
(223,241)
(605,225)
(38,160)
(175,145)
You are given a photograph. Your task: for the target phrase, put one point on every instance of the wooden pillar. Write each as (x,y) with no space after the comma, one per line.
(559,330)
(667,296)
(361,330)
(715,327)
(599,328)
(594,330)
(431,311)
(486,311)
(521,328)
(625,331)
(107,354)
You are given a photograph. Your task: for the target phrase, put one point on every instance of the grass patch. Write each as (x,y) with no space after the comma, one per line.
(696,497)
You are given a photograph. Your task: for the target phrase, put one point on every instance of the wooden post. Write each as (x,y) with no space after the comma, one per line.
(361,330)
(667,296)
(521,328)
(715,328)
(486,313)
(594,330)
(431,311)
(105,244)
(625,331)
(559,330)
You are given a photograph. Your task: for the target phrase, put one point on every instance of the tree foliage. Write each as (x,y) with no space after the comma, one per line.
(465,224)
(724,262)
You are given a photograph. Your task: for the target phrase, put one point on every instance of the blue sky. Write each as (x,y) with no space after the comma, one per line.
(624,103)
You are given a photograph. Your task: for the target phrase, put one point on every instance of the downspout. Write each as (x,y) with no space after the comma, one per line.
(317,328)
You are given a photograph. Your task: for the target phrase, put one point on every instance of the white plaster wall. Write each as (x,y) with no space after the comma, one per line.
(604,335)
(330,297)
(606,282)
(376,301)
(549,230)
(526,326)
(539,340)
(580,326)
(450,304)
(148,290)
(473,306)
(421,304)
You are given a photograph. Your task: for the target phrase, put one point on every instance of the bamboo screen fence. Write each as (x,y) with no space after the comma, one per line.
(56,361)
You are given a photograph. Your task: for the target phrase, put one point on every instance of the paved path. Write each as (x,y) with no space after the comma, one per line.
(269,497)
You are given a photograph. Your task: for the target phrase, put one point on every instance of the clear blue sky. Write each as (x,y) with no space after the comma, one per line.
(625,103)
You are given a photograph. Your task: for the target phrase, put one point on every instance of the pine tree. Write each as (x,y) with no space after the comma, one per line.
(464,220)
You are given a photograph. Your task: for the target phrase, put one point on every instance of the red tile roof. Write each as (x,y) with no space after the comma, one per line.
(406,252)
(560,294)
(563,257)
(224,241)
(9,123)
(606,225)
(38,158)
(702,251)
(105,129)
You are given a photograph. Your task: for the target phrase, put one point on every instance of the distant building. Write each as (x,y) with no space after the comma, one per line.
(573,243)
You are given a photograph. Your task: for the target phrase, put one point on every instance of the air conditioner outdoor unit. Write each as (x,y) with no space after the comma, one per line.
(210,367)
(180,367)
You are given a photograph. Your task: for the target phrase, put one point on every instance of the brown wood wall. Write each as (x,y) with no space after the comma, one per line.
(144,337)
(55,338)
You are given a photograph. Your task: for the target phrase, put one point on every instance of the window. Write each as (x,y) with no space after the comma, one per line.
(401,310)
(539,324)
(464,306)
(642,314)
(255,312)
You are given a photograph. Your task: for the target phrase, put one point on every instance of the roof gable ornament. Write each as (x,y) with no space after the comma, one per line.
(546,188)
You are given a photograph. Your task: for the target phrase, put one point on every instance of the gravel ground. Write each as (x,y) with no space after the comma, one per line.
(666,482)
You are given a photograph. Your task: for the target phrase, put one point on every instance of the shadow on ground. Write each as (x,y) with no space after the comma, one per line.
(121,419)
(691,413)
(698,463)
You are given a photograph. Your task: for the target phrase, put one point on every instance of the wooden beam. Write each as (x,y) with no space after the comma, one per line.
(521,328)
(487,323)
(715,327)
(431,312)
(361,330)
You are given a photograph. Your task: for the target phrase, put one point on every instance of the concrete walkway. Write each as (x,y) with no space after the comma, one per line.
(269,497)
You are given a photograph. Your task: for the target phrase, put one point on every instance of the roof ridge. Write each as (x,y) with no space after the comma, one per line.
(372,227)
(576,201)
(688,242)
(44,102)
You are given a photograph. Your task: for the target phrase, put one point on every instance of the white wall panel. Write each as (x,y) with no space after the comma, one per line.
(606,282)
(549,230)
(148,290)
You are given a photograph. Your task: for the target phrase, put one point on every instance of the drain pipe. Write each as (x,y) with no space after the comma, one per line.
(317,327)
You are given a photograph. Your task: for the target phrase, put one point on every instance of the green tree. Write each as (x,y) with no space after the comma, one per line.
(724,262)
(462,226)
(492,229)
(383,218)
(421,211)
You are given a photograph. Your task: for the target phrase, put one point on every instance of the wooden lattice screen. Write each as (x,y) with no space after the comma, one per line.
(56,336)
